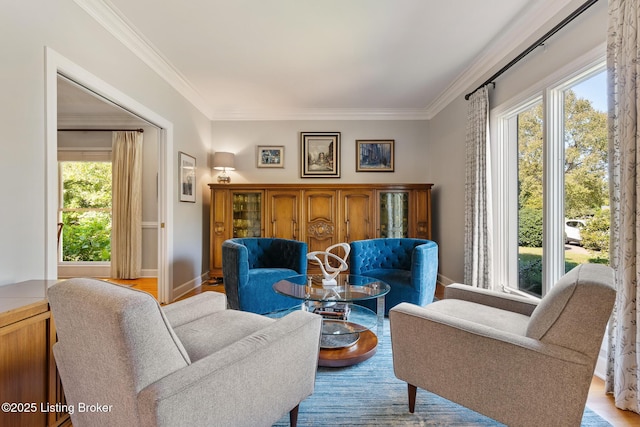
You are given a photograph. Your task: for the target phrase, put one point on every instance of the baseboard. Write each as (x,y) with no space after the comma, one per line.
(445,281)
(601,364)
(187,287)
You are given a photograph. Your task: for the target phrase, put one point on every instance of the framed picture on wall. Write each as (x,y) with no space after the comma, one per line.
(320,154)
(187,177)
(375,155)
(270,156)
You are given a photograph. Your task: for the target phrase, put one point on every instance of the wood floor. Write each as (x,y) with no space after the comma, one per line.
(600,402)
(603,405)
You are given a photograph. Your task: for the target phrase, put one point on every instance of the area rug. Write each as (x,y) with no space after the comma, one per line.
(369,394)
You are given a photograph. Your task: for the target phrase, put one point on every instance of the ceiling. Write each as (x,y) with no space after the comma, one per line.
(296,59)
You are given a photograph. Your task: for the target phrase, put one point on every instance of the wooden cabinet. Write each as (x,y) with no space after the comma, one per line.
(29,375)
(319,214)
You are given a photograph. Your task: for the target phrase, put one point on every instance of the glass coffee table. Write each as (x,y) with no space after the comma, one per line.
(347,336)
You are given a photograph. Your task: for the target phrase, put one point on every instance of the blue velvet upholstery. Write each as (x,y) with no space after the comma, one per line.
(409,266)
(250,267)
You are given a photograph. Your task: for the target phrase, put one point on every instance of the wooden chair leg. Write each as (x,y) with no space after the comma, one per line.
(412,397)
(293,416)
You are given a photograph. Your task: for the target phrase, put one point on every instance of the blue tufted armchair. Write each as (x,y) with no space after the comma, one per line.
(409,266)
(250,267)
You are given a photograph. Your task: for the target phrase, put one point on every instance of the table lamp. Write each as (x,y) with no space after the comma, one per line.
(224,161)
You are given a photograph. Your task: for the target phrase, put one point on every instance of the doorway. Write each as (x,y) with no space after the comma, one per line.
(112,109)
(85,125)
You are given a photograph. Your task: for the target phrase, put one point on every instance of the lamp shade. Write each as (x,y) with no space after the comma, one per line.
(223,160)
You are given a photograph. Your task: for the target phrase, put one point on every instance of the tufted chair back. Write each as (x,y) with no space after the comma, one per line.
(386,253)
(270,253)
(408,266)
(250,267)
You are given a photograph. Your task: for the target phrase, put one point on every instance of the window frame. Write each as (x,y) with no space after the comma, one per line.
(504,158)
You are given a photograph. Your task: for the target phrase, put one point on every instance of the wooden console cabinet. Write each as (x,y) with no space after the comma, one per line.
(319,214)
(29,379)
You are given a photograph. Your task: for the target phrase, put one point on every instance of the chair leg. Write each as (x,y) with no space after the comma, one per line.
(293,416)
(412,397)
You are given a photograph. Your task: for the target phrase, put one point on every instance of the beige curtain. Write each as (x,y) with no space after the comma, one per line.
(623,64)
(126,231)
(477,235)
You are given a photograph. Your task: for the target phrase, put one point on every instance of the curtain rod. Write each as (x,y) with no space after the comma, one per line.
(100,130)
(536,44)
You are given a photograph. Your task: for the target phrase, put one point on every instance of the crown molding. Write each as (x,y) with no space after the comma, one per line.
(540,13)
(113,21)
(322,114)
(518,32)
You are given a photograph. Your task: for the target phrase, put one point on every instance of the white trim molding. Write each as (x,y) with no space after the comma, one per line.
(520,30)
(445,281)
(115,22)
(323,114)
(189,286)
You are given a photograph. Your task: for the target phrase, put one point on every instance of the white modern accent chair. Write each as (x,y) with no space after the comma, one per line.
(519,362)
(191,363)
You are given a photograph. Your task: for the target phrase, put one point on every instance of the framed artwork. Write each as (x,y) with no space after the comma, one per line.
(320,154)
(375,155)
(187,177)
(270,156)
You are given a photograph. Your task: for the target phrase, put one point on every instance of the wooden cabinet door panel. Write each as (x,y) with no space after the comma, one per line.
(283,214)
(320,219)
(357,211)
(422,209)
(220,230)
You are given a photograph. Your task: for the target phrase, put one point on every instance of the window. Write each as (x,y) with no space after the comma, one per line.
(85,207)
(552,188)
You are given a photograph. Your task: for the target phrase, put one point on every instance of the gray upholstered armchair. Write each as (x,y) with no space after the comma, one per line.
(250,267)
(191,363)
(521,363)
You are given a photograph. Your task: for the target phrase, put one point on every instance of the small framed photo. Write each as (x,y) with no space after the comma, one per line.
(187,177)
(375,155)
(320,154)
(270,156)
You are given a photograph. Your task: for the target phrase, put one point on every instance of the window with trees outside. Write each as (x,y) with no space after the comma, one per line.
(85,208)
(553,212)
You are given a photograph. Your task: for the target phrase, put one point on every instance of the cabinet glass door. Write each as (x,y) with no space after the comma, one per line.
(247,214)
(394,214)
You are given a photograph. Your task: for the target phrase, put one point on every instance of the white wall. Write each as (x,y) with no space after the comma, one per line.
(25,29)
(446,166)
(446,131)
(242,138)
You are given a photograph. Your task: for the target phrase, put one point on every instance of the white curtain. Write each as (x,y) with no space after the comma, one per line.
(477,248)
(623,62)
(126,230)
